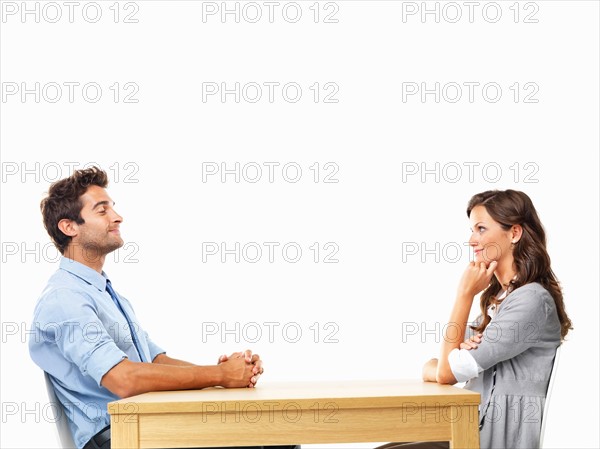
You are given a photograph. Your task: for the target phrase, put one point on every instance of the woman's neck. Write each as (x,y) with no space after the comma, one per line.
(505,273)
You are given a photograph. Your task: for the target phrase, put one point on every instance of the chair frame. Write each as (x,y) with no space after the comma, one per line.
(61,430)
(549,394)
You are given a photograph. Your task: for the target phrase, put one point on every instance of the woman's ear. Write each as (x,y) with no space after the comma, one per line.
(517,233)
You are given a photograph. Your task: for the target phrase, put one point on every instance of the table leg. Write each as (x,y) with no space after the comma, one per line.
(464,427)
(124,432)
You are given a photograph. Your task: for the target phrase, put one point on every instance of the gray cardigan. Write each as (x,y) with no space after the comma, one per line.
(519,345)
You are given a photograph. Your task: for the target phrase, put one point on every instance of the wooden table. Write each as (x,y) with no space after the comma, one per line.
(298,413)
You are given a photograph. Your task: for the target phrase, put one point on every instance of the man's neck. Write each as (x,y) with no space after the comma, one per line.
(85,257)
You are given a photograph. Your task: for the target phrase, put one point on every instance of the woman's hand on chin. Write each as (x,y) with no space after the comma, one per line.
(476,278)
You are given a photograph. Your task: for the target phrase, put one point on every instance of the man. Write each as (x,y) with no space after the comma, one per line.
(87,337)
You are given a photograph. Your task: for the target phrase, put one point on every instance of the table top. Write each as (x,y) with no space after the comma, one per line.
(354,394)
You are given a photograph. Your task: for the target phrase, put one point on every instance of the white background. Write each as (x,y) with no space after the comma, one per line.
(154,151)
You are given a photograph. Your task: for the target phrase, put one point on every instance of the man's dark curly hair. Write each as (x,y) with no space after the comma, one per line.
(64,201)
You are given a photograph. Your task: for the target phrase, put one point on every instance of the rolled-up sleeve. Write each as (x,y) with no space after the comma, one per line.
(153,347)
(463,365)
(72,324)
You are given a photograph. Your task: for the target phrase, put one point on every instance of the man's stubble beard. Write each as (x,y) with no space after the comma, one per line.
(93,251)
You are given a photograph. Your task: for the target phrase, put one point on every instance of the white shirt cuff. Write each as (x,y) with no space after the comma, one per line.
(463,365)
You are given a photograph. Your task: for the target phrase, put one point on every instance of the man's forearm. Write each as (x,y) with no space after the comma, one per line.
(164,359)
(130,378)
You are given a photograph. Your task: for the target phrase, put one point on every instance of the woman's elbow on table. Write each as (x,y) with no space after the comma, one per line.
(445,376)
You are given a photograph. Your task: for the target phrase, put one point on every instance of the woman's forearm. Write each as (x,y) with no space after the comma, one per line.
(475,278)
(453,335)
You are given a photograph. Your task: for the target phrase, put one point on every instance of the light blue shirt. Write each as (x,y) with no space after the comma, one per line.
(79,334)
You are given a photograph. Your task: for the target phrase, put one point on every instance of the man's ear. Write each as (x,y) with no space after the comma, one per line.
(68,227)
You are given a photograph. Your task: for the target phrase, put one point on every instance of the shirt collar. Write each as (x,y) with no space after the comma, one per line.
(84,272)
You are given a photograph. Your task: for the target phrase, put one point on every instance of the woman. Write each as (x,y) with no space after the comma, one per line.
(507,355)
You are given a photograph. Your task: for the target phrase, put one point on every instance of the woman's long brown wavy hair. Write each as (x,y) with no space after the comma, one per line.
(532,262)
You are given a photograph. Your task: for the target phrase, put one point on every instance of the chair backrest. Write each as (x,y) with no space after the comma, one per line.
(549,395)
(63,433)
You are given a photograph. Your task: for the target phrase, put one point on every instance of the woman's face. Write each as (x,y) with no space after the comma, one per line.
(488,240)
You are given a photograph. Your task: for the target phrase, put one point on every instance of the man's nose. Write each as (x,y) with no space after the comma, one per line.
(116,217)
